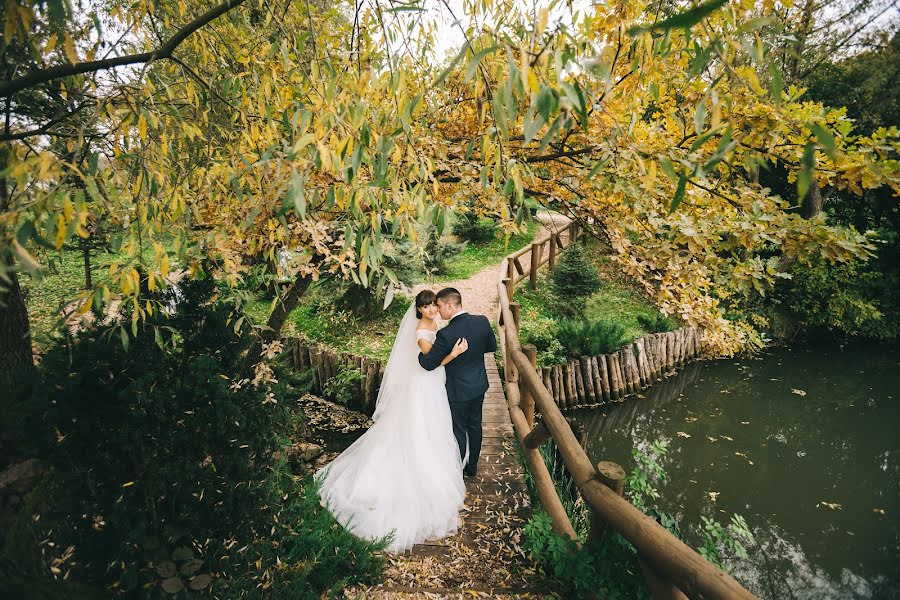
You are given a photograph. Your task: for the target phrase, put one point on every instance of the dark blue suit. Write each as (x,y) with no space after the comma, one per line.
(466,378)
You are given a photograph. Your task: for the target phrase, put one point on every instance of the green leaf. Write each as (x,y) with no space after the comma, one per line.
(700,117)
(446,72)
(123,335)
(826,140)
(776,83)
(699,62)
(596,168)
(721,150)
(668,168)
(703,138)
(804,177)
(472,67)
(686,19)
(679,193)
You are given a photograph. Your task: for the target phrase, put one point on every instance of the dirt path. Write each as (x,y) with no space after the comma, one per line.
(479,291)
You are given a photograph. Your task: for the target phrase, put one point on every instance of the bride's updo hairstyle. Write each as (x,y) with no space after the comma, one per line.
(424,298)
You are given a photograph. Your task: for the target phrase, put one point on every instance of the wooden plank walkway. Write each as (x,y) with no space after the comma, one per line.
(485,558)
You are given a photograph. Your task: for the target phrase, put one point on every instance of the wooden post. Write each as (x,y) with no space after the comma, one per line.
(510,287)
(545,377)
(554,241)
(573,232)
(535,264)
(537,436)
(580,389)
(660,589)
(625,369)
(606,386)
(514,308)
(643,377)
(597,378)
(670,350)
(527,399)
(559,393)
(571,390)
(587,378)
(612,476)
(615,381)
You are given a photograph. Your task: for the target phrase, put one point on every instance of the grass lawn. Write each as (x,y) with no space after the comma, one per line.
(61,282)
(480,256)
(317,320)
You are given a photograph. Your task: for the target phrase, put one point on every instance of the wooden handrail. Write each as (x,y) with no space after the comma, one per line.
(664,554)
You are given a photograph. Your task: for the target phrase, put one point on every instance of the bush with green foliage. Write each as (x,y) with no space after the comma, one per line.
(610,569)
(439,252)
(472,228)
(850,299)
(168,449)
(589,338)
(656,323)
(343,387)
(574,277)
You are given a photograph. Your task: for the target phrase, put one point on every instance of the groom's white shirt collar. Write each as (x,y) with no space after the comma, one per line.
(456,314)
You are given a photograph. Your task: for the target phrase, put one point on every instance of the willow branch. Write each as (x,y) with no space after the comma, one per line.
(40,76)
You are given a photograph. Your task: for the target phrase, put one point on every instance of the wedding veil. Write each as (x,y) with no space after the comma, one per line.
(401,364)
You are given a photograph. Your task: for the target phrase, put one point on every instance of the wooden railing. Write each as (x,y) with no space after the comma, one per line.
(672,569)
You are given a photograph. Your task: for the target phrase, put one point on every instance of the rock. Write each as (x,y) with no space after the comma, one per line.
(307,452)
(20,478)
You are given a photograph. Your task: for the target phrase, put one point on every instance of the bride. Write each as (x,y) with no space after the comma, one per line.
(403,477)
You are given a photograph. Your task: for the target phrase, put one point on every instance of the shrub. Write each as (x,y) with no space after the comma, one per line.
(162,456)
(574,278)
(656,323)
(586,338)
(439,252)
(342,388)
(475,229)
(851,299)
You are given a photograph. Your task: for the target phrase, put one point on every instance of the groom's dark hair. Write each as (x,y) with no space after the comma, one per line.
(450,295)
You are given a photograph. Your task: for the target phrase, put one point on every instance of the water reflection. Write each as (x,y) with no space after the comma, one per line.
(802,442)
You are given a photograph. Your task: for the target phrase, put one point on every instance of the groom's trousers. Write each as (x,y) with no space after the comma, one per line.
(466,417)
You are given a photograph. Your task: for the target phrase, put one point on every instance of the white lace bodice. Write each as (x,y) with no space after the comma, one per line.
(427,335)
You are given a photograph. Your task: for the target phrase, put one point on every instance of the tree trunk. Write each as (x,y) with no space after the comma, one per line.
(16,359)
(283,309)
(812,203)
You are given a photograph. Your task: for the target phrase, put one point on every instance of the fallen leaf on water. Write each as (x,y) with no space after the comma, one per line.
(798,392)
(725,437)
(745,422)
(880,511)
(741,454)
(710,438)
(682,434)
(713,495)
(690,419)
(830,505)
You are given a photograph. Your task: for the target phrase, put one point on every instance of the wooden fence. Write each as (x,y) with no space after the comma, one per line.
(672,569)
(326,363)
(597,380)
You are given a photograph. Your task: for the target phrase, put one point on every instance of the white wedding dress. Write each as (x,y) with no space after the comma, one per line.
(403,477)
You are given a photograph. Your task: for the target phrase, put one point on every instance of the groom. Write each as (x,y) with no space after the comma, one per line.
(466,377)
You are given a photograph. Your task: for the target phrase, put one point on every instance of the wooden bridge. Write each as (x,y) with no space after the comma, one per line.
(486,558)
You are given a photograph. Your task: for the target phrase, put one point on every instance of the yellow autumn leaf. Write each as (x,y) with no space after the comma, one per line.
(60,231)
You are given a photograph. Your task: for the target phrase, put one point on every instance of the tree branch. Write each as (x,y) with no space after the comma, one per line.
(39,76)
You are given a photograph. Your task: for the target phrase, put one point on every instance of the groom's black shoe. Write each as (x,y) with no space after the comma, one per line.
(470,473)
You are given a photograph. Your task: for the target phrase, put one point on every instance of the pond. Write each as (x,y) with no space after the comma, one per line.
(803,442)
